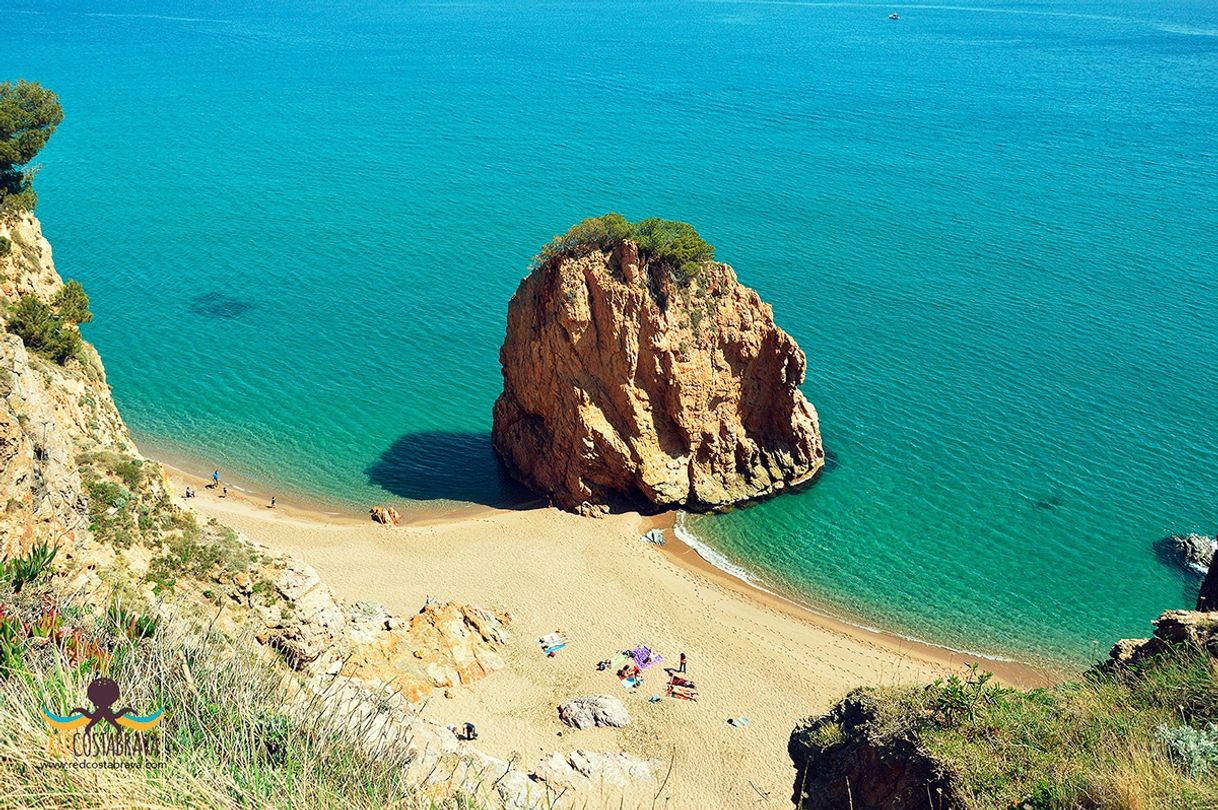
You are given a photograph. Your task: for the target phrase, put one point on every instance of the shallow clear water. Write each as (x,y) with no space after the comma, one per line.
(992,227)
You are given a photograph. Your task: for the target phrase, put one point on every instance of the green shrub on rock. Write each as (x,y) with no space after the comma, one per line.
(42,330)
(71,303)
(671,244)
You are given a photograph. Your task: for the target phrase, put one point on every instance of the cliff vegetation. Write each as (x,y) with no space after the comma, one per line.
(29,114)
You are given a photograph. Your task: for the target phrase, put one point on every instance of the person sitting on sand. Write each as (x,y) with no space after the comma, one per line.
(224,494)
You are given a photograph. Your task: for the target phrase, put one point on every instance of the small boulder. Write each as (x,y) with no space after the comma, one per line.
(595,710)
(385,515)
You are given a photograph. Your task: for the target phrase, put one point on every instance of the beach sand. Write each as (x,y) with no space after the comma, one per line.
(750,653)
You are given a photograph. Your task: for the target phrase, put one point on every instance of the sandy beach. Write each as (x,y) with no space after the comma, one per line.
(751,653)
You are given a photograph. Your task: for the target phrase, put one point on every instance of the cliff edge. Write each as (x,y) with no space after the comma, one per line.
(632,381)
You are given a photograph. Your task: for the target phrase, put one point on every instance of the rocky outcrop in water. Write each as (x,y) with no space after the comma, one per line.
(1196,550)
(628,385)
(849,759)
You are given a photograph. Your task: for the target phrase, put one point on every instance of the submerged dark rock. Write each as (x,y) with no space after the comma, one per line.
(216,304)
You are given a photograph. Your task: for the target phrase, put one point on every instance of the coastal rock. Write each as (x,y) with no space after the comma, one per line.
(1174,627)
(309,620)
(38,475)
(385,515)
(596,710)
(848,759)
(627,385)
(1197,550)
(577,768)
(49,414)
(76,396)
(440,647)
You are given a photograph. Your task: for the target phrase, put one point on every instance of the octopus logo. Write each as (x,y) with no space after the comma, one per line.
(103,693)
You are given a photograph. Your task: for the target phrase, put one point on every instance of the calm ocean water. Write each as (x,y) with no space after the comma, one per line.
(993,227)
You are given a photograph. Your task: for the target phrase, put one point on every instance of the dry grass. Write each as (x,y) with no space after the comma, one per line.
(229,738)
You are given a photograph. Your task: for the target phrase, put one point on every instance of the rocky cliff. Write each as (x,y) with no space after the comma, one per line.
(50,413)
(626,384)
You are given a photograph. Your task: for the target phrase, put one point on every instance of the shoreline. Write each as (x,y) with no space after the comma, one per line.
(676,549)
(754,655)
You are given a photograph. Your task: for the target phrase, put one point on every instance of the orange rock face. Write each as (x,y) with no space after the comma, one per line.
(626,386)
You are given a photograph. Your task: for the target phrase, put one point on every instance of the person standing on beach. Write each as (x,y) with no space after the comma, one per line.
(215,477)
(681,663)
(272,501)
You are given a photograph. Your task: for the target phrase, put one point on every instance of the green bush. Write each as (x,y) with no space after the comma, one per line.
(1195,750)
(113,527)
(42,330)
(71,303)
(29,114)
(6,246)
(674,245)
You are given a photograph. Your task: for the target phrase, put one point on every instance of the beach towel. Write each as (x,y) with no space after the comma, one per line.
(552,642)
(644,657)
(631,682)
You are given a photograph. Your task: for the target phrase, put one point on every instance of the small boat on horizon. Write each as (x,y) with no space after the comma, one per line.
(894,16)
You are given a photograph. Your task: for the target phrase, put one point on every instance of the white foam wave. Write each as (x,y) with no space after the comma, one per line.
(156,17)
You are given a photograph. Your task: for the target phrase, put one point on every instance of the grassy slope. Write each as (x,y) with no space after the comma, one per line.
(1090,743)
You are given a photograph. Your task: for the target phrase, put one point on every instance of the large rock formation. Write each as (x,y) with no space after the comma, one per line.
(628,385)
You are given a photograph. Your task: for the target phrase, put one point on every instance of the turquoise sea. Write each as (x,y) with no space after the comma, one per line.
(992,226)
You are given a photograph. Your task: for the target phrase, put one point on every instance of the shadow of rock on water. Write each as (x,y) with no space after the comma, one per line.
(450,466)
(216,304)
